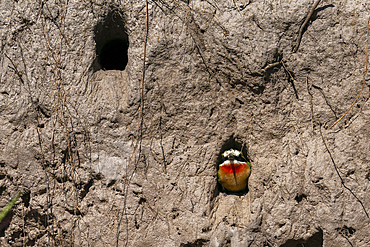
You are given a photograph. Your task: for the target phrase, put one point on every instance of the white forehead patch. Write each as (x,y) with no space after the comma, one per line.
(225,163)
(231,151)
(235,162)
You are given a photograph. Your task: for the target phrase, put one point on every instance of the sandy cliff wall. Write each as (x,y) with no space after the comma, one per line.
(106,158)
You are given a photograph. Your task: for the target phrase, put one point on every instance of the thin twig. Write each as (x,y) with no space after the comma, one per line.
(27,83)
(162,149)
(343,235)
(292,80)
(304,25)
(272,65)
(340,177)
(311,104)
(363,83)
(201,56)
(140,135)
(143,74)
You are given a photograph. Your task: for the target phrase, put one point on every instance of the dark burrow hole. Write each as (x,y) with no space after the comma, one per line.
(316,240)
(231,143)
(111,43)
(113,55)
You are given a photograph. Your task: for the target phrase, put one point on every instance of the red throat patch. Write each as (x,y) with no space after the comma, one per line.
(237,166)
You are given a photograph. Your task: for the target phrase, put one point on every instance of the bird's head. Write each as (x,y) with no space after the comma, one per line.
(233,155)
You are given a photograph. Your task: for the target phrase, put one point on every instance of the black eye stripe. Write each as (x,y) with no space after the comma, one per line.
(240,158)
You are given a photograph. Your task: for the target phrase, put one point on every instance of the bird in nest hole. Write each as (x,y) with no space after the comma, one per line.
(234,171)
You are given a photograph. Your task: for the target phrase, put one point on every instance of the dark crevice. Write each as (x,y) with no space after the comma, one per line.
(174,213)
(323,8)
(142,200)
(40,219)
(316,240)
(65,156)
(74,211)
(86,188)
(42,109)
(111,183)
(300,197)
(196,243)
(26,197)
(2,189)
(346,231)
(257,89)
(4,224)
(16,235)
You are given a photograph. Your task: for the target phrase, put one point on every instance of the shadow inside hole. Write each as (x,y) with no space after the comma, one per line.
(316,240)
(231,143)
(112,43)
(113,55)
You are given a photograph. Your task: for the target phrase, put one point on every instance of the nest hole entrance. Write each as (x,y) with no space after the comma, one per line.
(112,43)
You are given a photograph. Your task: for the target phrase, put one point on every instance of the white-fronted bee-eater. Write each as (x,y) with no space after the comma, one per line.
(234,171)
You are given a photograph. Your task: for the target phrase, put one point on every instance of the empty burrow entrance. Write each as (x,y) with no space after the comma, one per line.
(111,43)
